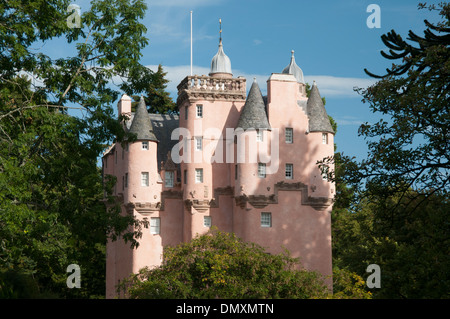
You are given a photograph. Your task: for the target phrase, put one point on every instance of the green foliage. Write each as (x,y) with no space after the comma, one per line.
(392,208)
(348,285)
(220,265)
(408,147)
(52,209)
(411,246)
(156,97)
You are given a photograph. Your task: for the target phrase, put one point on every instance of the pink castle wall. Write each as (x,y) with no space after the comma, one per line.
(298,222)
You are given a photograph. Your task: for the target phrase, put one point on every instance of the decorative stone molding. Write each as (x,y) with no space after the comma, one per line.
(261,201)
(144,208)
(199,205)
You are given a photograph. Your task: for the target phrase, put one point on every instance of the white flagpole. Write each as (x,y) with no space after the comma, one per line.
(191,43)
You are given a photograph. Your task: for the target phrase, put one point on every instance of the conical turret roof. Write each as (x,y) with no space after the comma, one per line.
(253,114)
(294,69)
(142,125)
(318,117)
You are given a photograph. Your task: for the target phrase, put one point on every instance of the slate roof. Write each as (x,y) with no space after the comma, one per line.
(318,117)
(141,124)
(253,114)
(163,125)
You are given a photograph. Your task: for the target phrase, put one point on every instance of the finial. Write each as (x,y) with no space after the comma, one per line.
(220,30)
(254,80)
(292,52)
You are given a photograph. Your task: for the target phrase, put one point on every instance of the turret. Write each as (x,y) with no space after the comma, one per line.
(252,143)
(141,171)
(318,117)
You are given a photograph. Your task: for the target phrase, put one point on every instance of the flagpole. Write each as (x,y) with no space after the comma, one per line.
(191,43)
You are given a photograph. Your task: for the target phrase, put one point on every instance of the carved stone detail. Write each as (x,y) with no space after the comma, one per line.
(261,201)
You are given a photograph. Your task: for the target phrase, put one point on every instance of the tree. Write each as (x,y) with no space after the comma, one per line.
(220,265)
(412,249)
(52,210)
(156,97)
(397,213)
(409,148)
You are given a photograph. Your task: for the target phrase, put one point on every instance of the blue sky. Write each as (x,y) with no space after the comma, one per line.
(331,40)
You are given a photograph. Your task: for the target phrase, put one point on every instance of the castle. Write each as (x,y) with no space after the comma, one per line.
(246,164)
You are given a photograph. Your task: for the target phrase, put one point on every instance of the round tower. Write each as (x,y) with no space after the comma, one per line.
(143,182)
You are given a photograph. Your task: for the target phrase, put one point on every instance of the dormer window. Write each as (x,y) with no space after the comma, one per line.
(145,145)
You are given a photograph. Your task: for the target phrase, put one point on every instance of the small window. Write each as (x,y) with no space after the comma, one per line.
(259,135)
(168,178)
(155,225)
(262,170)
(145,145)
(198,143)
(289,171)
(185,176)
(289,135)
(207,221)
(199,111)
(324,138)
(199,175)
(144,179)
(266,219)
(236,171)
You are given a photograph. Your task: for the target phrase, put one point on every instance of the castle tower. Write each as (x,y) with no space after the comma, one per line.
(208,105)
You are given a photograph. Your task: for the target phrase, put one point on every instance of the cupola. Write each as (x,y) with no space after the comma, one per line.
(294,69)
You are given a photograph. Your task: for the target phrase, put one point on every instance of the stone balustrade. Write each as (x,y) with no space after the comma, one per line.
(210,88)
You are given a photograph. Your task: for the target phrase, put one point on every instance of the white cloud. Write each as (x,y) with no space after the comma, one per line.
(338,86)
(329,86)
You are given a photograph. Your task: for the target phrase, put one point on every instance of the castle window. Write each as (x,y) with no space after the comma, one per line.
(289,135)
(144,179)
(145,145)
(266,219)
(199,111)
(207,221)
(186,113)
(168,178)
(236,171)
(185,176)
(198,143)
(262,170)
(155,225)
(199,175)
(289,171)
(259,135)
(324,138)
